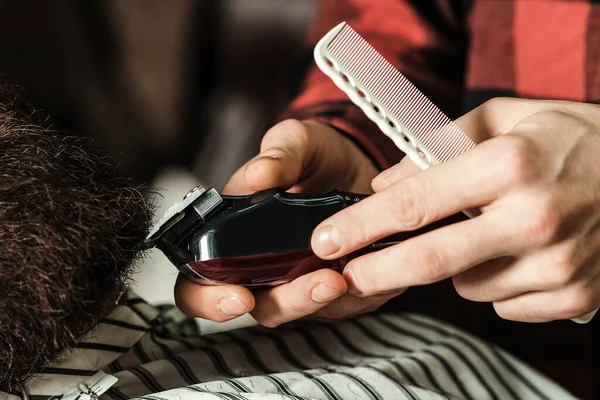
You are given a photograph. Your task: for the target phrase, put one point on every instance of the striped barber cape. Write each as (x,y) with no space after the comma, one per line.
(141,351)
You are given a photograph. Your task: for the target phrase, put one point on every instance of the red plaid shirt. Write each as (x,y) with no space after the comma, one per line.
(461,53)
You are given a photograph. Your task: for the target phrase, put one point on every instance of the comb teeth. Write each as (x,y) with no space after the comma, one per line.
(401,111)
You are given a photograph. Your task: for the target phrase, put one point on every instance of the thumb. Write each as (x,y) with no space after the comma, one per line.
(285,150)
(392,175)
(236,186)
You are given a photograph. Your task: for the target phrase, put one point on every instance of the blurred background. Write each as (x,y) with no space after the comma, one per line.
(181,91)
(187,83)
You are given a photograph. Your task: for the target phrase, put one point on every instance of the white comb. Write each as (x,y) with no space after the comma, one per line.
(417,127)
(404,114)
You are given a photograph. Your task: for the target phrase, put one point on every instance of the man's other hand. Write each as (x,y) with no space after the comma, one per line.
(299,157)
(534,252)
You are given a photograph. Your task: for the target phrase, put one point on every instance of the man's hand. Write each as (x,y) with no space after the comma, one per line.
(301,157)
(535,249)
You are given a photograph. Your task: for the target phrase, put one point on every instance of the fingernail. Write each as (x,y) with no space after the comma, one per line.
(262,158)
(327,241)
(384,174)
(321,293)
(275,153)
(231,306)
(351,281)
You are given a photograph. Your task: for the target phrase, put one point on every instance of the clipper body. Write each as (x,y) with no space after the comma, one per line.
(257,240)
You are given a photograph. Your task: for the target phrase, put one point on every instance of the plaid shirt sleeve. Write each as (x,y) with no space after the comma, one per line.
(461,53)
(534,50)
(423,39)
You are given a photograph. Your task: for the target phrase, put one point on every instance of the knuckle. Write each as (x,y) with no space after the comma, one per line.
(578,126)
(428,264)
(496,103)
(544,222)
(563,270)
(360,234)
(408,208)
(517,160)
(561,273)
(490,107)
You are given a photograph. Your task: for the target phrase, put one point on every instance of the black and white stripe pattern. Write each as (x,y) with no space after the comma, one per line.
(157,354)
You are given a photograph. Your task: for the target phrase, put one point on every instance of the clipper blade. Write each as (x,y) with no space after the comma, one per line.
(176,208)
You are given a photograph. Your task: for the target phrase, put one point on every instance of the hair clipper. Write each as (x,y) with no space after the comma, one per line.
(256,240)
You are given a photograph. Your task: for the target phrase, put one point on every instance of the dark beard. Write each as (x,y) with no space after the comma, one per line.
(71,226)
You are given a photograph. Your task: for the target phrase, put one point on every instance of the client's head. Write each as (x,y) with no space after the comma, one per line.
(71,225)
